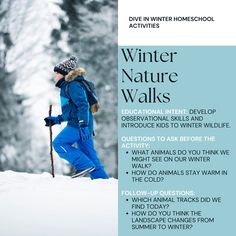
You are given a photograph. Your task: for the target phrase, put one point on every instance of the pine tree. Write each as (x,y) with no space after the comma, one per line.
(90,31)
(11,112)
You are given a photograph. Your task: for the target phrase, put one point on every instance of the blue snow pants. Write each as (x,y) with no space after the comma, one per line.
(81,157)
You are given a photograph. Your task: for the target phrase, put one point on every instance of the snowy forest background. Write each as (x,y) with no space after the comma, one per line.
(34,36)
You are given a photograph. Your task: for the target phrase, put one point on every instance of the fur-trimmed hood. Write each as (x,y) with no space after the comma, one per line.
(74,73)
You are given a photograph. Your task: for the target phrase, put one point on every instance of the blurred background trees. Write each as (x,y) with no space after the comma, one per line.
(34,36)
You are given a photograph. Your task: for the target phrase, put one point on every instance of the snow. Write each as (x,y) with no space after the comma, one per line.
(37,204)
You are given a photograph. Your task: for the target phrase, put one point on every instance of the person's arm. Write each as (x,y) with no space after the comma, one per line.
(79,98)
(62,118)
(53,120)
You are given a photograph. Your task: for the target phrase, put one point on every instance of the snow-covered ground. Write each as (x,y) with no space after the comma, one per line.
(38,205)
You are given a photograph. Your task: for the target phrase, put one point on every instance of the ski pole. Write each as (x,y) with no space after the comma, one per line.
(51,150)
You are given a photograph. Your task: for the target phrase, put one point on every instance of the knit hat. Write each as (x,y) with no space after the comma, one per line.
(66,66)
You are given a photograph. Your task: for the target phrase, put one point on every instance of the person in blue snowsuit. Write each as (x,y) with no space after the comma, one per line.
(79,130)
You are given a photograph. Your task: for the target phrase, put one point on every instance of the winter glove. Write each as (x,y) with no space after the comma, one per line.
(52,120)
(84,131)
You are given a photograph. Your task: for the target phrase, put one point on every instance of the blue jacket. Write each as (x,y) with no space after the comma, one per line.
(74,103)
